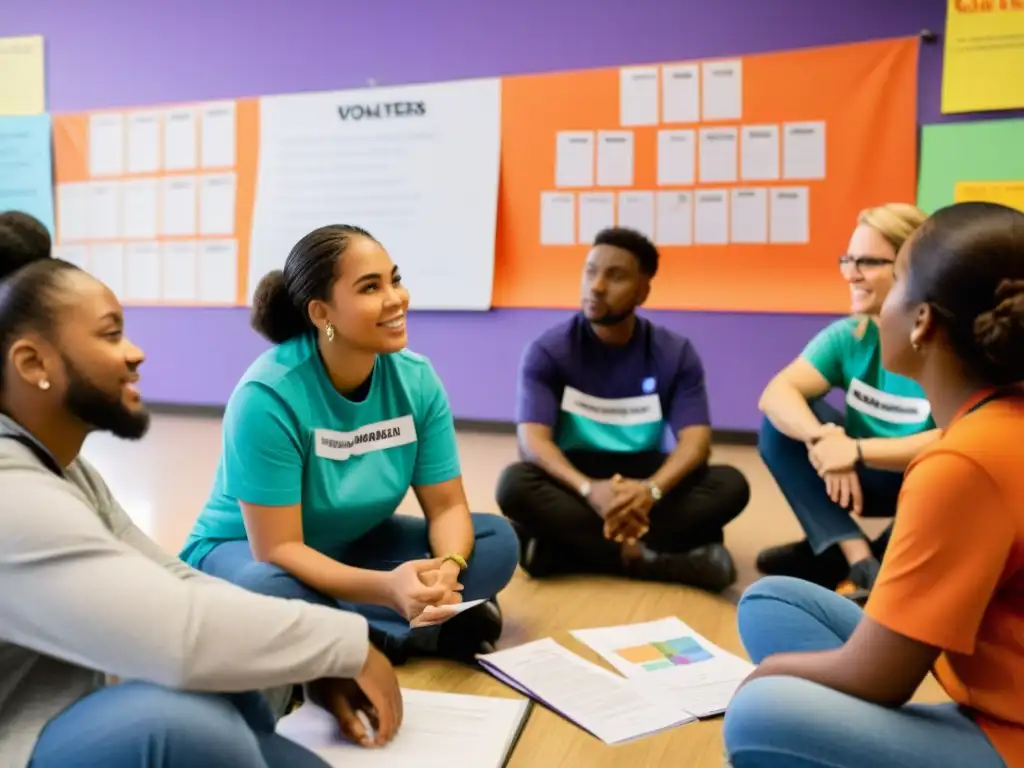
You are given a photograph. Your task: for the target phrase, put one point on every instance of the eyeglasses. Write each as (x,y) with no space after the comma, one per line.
(848,262)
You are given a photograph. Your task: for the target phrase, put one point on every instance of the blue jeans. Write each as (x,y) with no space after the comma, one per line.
(395,541)
(825,522)
(786,721)
(141,725)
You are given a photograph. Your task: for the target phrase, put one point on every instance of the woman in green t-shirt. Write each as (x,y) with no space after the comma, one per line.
(831,465)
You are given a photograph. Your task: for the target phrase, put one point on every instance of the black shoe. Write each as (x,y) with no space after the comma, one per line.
(709,567)
(395,649)
(799,561)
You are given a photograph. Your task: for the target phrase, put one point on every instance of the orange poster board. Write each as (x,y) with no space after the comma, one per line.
(129,172)
(863,99)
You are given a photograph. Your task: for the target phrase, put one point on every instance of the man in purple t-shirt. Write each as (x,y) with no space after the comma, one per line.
(600,397)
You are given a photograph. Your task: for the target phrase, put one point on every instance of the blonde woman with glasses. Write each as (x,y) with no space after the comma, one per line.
(833,467)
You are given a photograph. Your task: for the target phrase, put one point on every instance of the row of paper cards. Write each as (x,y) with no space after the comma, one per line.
(681,93)
(146,208)
(185,272)
(720,155)
(748,216)
(176,139)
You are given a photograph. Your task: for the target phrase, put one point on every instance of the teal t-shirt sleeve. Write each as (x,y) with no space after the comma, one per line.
(829,352)
(263,455)
(437,452)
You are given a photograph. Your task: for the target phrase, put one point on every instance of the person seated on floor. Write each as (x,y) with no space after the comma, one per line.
(834,467)
(596,492)
(86,597)
(23,239)
(323,438)
(834,680)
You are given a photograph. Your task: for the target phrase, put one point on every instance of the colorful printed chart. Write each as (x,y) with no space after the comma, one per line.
(666,654)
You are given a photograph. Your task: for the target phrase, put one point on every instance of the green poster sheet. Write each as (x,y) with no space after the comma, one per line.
(981,150)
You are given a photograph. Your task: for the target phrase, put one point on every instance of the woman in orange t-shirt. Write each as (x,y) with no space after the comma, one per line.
(834,681)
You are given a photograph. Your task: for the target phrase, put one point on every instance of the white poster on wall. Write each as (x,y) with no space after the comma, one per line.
(417,166)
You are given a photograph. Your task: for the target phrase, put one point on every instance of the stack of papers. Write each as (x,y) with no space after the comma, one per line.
(439,730)
(671,661)
(611,708)
(670,675)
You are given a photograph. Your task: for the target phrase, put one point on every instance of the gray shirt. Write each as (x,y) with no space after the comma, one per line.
(85,594)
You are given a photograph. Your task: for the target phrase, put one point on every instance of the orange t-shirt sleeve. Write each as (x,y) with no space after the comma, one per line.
(949,546)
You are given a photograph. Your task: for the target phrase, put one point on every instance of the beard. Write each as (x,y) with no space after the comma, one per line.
(611,318)
(103,412)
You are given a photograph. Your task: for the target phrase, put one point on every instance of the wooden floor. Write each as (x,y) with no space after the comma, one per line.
(163,481)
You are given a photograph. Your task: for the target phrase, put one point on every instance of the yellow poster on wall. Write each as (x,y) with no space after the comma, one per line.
(1009,193)
(984,56)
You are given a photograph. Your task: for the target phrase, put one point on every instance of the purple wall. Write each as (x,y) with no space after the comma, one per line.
(108,53)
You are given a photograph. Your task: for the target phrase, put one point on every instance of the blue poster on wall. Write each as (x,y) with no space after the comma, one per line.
(26,167)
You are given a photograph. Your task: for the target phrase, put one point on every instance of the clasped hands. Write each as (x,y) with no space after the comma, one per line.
(834,455)
(625,506)
(419,590)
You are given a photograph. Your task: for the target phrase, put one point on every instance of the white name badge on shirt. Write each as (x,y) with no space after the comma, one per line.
(340,446)
(895,409)
(621,411)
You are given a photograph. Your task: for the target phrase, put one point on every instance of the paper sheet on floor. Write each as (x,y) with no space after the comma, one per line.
(669,659)
(609,707)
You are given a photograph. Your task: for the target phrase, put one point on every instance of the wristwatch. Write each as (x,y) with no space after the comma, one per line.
(584,489)
(655,491)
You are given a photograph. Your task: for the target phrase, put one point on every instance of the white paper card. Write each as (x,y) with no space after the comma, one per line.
(179,206)
(597,212)
(218,271)
(638,96)
(218,135)
(106,144)
(574,159)
(180,273)
(615,158)
(143,142)
(711,217)
(557,218)
(105,210)
(140,208)
(718,155)
(759,153)
(636,211)
(722,90)
(680,93)
(790,215)
(181,144)
(73,254)
(674,218)
(677,152)
(73,211)
(217,204)
(748,215)
(803,150)
(143,276)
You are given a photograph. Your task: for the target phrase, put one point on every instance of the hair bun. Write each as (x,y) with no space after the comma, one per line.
(274,316)
(999,332)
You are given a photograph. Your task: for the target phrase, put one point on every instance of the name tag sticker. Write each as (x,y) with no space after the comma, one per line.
(895,409)
(623,411)
(340,446)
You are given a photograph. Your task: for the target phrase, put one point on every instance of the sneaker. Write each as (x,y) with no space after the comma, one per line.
(799,561)
(710,567)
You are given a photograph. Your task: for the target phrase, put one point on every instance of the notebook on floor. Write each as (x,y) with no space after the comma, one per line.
(439,730)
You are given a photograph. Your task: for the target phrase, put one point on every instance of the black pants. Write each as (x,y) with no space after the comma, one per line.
(690,515)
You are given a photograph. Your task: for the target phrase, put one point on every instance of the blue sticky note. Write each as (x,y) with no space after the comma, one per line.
(26,167)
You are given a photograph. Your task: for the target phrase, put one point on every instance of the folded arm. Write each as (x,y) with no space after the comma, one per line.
(786,400)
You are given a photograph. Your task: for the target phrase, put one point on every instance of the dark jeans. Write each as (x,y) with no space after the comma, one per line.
(824,521)
(690,515)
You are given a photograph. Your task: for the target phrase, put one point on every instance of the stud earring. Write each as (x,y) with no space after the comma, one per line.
(329,330)
(44,384)
(916,346)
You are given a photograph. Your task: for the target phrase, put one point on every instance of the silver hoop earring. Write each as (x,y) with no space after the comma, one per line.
(44,384)
(329,330)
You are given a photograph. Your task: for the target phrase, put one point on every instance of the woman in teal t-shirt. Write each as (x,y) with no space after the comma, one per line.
(830,465)
(324,436)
